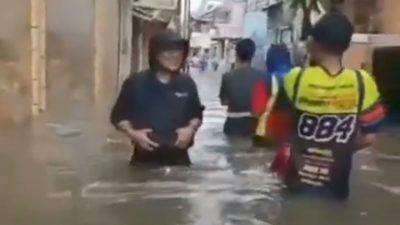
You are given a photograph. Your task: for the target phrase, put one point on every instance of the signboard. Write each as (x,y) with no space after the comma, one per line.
(156,4)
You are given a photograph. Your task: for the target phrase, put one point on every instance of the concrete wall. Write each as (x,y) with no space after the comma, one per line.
(70,46)
(149,29)
(107,45)
(391,16)
(81,34)
(357,56)
(82,55)
(85,42)
(362,47)
(142,33)
(386,10)
(14,61)
(234,28)
(255,27)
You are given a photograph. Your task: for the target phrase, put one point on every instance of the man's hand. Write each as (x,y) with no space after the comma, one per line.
(185,137)
(141,138)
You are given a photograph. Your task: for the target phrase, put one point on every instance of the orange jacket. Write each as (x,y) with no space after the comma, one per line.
(278,122)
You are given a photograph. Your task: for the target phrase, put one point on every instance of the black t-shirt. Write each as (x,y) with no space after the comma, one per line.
(237,88)
(150,104)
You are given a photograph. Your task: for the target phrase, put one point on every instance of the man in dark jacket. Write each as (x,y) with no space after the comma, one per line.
(159,108)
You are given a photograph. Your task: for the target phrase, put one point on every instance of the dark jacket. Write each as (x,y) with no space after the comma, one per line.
(150,104)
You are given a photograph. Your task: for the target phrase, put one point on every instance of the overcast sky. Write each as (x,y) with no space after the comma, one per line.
(194,4)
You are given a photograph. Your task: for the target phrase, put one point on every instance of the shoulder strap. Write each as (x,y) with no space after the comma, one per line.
(361,89)
(297,85)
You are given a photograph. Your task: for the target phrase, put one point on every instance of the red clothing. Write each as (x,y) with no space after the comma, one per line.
(278,122)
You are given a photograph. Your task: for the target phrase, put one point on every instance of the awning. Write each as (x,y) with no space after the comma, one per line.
(155,10)
(156,4)
(164,16)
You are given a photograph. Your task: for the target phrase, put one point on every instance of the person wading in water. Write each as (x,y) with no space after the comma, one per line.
(237,90)
(269,103)
(159,108)
(336,112)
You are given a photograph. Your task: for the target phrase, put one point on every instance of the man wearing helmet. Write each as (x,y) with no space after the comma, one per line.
(159,108)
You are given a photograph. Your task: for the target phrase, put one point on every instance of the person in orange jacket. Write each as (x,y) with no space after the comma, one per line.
(269,104)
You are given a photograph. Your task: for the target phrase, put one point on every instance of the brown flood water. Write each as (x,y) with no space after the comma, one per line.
(72,169)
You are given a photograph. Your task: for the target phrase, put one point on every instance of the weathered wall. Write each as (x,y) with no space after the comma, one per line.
(80,34)
(83,47)
(107,45)
(386,10)
(149,30)
(70,50)
(391,16)
(142,33)
(15,107)
(255,27)
(234,28)
(14,60)
(357,56)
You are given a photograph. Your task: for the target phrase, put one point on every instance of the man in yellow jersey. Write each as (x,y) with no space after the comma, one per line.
(336,111)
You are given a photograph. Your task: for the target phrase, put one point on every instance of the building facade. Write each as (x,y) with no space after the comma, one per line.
(377,25)
(63,55)
(371,16)
(223,21)
(15,42)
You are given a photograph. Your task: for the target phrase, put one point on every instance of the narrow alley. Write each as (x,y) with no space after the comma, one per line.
(73,169)
(61,65)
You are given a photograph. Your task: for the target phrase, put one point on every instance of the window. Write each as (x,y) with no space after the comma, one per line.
(222,15)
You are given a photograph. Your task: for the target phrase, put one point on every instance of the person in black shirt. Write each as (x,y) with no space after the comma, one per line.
(237,91)
(159,108)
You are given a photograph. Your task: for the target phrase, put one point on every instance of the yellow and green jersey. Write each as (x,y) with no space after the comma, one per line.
(327,94)
(329,112)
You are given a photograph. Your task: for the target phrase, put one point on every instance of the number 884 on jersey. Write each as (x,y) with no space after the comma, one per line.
(326,128)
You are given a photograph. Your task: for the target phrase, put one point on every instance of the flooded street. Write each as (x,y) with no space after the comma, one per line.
(71,168)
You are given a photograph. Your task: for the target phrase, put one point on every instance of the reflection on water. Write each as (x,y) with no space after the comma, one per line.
(76,173)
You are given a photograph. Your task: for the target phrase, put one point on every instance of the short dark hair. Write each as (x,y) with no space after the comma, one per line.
(245,49)
(333,32)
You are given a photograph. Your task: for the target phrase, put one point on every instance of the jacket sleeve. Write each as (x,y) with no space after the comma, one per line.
(260,97)
(195,107)
(123,109)
(373,112)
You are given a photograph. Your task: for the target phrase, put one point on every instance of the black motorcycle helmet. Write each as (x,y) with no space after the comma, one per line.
(164,41)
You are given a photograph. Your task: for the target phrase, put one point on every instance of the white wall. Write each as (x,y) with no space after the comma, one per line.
(255,27)
(233,29)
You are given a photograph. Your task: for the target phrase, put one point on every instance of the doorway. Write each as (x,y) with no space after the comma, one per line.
(386,68)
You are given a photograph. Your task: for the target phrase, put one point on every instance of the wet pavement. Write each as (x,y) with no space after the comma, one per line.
(72,169)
